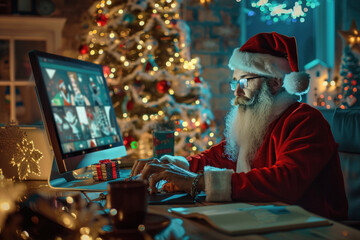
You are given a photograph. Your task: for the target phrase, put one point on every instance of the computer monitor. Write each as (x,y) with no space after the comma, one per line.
(78,114)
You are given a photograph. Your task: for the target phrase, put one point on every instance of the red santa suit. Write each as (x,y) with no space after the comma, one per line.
(297,163)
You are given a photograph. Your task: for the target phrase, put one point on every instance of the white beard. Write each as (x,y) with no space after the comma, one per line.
(246,127)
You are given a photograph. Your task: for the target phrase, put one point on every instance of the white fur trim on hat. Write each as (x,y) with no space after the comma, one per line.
(259,63)
(297,83)
(217,184)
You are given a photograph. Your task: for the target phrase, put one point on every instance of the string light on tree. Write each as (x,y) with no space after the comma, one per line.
(152,78)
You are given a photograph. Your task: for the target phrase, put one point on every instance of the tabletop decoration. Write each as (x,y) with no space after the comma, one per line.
(19,151)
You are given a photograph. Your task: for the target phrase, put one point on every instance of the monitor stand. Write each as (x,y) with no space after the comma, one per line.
(80,179)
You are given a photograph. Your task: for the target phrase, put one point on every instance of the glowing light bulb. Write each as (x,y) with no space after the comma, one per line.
(126,63)
(5,206)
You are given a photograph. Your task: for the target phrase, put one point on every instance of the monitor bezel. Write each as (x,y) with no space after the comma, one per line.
(64,160)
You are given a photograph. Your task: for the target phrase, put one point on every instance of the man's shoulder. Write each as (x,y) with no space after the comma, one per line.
(304,111)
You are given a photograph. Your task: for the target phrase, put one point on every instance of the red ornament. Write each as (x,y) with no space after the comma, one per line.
(101,20)
(130,105)
(148,66)
(197,79)
(350,75)
(106,71)
(128,140)
(204,126)
(353,82)
(84,49)
(162,86)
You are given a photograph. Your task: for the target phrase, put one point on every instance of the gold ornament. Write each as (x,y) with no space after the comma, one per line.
(352,37)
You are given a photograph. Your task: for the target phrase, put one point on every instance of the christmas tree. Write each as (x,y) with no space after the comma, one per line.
(350,72)
(143,46)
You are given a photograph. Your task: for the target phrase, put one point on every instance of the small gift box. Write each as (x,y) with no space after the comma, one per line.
(106,170)
(163,143)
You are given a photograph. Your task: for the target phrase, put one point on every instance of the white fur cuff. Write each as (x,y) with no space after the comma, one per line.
(217,184)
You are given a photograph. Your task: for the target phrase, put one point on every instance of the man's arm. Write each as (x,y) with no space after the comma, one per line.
(214,157)
(303,146)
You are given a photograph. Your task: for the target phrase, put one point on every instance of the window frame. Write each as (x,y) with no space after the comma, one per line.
(13,28)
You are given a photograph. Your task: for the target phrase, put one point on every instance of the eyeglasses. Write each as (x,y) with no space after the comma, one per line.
(242,81)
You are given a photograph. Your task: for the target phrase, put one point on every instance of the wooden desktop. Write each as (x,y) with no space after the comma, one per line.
(180,228)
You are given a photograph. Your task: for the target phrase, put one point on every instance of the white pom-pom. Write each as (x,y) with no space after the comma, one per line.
(297,83)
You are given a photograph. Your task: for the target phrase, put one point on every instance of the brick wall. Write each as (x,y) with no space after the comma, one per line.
(214,34)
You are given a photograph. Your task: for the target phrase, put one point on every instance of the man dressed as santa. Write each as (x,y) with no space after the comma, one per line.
(275,148)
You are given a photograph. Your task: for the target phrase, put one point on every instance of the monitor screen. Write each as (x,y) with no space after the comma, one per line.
(77,110)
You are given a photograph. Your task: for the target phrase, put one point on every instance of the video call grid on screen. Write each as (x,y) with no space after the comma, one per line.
(80,105)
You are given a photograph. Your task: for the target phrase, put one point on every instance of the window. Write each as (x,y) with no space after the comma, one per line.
(19,35)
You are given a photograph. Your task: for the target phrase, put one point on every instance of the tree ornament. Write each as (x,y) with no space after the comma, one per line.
(148,66)
(350,75)
(106,71)
(163,86)
(352,37)
(84,49)
(173,22)
(128,140)
(129,18)
(204,126)
(351,100)
(101,20)
(353,82)
(197,79)
(130,105)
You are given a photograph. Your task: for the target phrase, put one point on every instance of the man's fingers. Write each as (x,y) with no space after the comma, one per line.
(138,166)
(155,178)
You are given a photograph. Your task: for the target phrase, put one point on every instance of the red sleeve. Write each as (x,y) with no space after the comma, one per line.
(214,157)
(297,149)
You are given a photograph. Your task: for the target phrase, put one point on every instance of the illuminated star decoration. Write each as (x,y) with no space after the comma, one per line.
(352,37)
(27,159)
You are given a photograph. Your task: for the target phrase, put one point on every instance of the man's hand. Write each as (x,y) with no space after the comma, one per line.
(177,160)
(139,165)
(179,177)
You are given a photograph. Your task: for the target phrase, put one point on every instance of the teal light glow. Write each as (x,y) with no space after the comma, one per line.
(273,12)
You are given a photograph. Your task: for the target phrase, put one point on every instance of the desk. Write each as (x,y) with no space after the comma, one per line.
(181,228)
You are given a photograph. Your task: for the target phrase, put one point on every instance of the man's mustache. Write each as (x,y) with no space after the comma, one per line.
(241,100)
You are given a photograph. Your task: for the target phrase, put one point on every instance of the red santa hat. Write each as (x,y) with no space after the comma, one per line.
(272,55)
(61,83)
